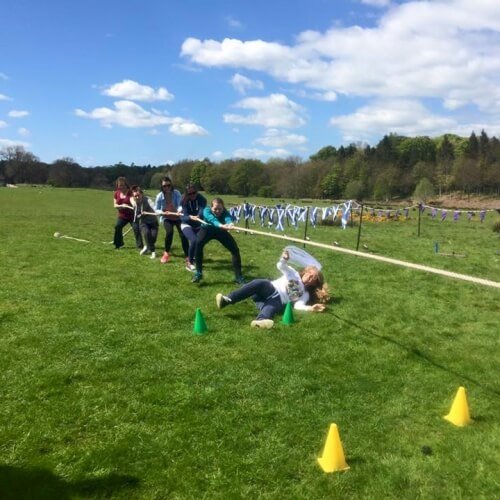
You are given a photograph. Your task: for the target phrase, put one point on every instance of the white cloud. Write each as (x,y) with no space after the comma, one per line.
(153,131)
(133,91)
(249,153)
(273,111)
(401,116)
(7,143)
(3,76)
(260,153)
(279,153)
(15,113)
(242,84)
(5,98)
(444,49)
(377,3)
(3,124)
(233,22)
(126,114)
(187,128)
(217,154)
(277,139)
(130,115)
(24,132)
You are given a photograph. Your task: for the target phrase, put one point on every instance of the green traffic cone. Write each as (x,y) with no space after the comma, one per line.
(288,316)
(200,327)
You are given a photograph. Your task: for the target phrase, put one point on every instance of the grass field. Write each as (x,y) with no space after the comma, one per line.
(106,391)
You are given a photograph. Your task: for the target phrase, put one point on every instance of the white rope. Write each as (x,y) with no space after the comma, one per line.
(410,265)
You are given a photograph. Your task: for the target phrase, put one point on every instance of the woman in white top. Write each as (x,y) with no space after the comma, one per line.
(306,289)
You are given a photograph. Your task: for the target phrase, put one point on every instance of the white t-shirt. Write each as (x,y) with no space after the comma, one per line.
(290,287)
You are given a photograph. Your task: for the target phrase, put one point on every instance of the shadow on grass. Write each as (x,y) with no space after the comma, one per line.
(41,484)
(418,353)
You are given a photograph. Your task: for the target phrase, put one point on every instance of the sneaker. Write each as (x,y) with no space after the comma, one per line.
(222,301)
(239,279)
(190,267)
(165,258)
(262,323)
(144,251)
(197,277)
(153,255)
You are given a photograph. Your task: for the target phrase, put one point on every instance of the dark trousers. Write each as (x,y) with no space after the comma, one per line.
(118,238)
(169,235)
(190,233)
(209,233)
(265,296)
(149,232)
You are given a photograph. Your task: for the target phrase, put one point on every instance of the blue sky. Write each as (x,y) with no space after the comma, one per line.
(151,82)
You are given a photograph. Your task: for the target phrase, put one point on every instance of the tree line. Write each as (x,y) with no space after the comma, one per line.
(397,167)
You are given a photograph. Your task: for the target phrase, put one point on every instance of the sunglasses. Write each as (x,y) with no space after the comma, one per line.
(192,194)
(166,185)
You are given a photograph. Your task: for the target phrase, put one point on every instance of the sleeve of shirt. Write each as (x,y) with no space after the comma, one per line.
(158,204)
(286,270)
(301,304)
(185,216)
(202,202)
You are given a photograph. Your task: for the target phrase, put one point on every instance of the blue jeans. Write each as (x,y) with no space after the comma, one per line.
(265,296)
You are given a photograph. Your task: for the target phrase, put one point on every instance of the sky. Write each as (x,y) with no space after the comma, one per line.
(155,82)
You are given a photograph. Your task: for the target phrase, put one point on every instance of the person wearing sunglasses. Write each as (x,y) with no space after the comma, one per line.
(167,204)
(192,206)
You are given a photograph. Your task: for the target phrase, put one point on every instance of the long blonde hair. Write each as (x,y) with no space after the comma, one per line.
(319,293)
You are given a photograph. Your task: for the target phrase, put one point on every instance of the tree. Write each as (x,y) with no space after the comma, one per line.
(21,166)
(424,190)
(65,172)
(326,153)
(445,157)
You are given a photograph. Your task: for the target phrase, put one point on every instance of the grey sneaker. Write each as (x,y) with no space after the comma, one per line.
(222,301)
(197,277)
(262,323)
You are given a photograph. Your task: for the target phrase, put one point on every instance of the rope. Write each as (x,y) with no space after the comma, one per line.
(449,274)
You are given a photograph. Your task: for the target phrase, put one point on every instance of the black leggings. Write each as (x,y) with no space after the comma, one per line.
(264,294)
(149,234)
(118,237)
(169,235)
(208,233)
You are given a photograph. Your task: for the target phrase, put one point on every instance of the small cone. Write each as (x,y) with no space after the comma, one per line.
(200,327)
(459,413)
(333,458)
(288,316)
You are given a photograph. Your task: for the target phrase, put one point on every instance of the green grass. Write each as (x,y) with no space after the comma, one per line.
(106,392)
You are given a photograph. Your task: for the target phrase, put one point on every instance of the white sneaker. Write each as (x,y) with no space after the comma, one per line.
(153,255)
(144,251)
(262,323)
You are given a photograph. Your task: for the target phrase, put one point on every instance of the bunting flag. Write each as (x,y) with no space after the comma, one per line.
(280,213)
(346,212)
(276,216)
(312,216)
